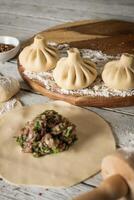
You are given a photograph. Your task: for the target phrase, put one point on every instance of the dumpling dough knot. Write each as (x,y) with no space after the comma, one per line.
(39,56)
(74,72)
(119,74)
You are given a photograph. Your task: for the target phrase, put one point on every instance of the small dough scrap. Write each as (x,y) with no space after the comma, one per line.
(119,74)
(79,162)
(39,56)
(74,72)
(8,88)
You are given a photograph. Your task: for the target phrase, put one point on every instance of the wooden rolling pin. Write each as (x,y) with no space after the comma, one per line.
(118,174)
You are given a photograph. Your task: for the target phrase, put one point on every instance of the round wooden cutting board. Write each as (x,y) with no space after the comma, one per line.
(111,37)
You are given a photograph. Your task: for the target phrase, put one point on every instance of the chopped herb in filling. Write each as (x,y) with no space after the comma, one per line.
(48,133)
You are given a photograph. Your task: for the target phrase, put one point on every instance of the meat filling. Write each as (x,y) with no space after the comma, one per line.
(48,133)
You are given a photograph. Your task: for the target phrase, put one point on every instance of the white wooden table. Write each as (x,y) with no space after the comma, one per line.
(24,18)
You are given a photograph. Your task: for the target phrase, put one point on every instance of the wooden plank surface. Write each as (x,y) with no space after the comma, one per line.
(71,10)
(109,36)
(23,19)
(10,192)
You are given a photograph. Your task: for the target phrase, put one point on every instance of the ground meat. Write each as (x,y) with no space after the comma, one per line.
(48,133)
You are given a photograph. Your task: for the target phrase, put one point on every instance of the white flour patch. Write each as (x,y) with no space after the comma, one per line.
(98,88)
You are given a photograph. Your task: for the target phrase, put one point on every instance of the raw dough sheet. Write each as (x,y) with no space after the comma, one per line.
(82,160)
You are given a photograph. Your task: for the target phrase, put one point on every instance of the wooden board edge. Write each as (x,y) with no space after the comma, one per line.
(110,102)
(67,25)
(60,26)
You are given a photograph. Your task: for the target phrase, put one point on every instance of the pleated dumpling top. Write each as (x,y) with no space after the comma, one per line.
(74,72)
(119,74)
(39,56)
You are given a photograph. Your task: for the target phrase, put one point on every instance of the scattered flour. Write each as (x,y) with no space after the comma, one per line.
(98,88)
(7,106)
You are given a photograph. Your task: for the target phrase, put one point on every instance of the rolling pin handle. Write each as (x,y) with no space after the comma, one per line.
(112,188)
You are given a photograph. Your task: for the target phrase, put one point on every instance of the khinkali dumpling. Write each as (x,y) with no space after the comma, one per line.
(119,74)
(39,56)
(74,72)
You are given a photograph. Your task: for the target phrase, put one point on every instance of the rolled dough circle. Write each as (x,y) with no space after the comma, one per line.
(82,160)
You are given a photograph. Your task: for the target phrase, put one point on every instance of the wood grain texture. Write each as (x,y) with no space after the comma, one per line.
(54,12)
(63,10)
(12,67)
(111,37)
(11,192)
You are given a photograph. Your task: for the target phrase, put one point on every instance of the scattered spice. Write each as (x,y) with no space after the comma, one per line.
(5,47)
(48,133)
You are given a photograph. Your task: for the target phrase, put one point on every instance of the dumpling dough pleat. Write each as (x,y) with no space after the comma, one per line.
(74,72)
(39,56)
(119,74)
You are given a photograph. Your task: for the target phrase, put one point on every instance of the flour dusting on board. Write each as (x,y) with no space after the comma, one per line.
(98,88)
